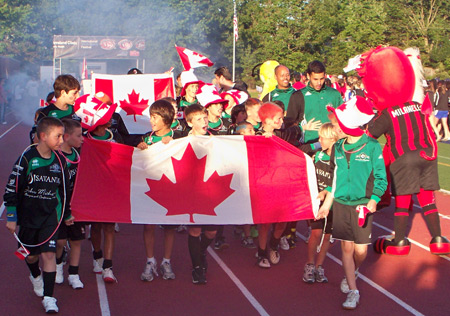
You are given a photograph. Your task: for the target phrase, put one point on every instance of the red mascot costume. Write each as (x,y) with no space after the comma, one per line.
(392,79)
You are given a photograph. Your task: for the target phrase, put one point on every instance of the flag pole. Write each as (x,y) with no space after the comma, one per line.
(234,39)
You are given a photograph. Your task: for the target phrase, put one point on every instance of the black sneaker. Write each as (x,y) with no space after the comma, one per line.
(221,244)
(198,276)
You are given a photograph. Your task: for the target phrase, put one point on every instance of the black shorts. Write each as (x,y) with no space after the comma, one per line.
(33,236)
(410,172)
(345,224)
(72,232)
(319,224)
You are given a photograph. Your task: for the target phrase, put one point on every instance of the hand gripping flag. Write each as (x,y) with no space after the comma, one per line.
(133,95)
(196,180)
(191,59)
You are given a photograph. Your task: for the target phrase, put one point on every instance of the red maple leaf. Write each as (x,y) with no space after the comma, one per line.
(190,194)
(134,106)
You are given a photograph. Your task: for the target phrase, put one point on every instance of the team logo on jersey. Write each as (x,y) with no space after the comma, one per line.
(275,95)
(40,178)
(55,168)
(52,244)
(307,93)
(362,157)
(54,114)
(35,163)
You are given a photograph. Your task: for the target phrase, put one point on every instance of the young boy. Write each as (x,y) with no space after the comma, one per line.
(162,114)
(66,89)
(37,199)
(200,236)
(313,271)
(252,107)
(87,108)
(73,138)
(359,169)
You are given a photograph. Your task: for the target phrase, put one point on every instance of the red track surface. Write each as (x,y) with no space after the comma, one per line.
(416,284)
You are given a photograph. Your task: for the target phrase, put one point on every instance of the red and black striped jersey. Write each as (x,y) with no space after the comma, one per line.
(406,129)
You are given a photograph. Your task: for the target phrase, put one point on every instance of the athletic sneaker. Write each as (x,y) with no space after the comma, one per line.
(198,275)
(247,242)
(274,256)
(309,273)
(344,285)
(75,282)
(204,262)
(98,266)
(221,244)
(149,271)
(166,271)
(59,279)
(292,242)
(320,275)
(352,300)
(49,304)
(284,244)
(181,229)
(116,228)
(108,276)
(38,285)
(263,262)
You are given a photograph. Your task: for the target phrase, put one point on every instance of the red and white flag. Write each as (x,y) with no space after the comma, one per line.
(191,59)
(235,23)
(134,94)
(195,179)
(84,70)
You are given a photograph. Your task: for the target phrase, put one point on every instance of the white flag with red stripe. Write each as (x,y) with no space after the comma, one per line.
(191,59)
(134,94)
(201,180)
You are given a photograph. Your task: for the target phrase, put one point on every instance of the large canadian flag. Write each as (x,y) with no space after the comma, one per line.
(195,180)
(134,94)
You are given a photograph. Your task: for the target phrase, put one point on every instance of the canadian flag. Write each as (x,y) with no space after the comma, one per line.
(195,180)
(134,94)
(191,59)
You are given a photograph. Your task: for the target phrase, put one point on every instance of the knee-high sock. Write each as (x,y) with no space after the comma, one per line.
(428,204)
(402,203)
(49,282)
(204,243)
(195,250)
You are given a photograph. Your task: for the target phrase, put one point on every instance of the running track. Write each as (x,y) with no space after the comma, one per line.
(417,284)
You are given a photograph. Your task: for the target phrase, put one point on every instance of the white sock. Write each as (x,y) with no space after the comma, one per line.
(152,260)
(165,260)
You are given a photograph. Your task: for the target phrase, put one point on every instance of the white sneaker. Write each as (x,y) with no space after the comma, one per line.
(116,228)
(59,273)
(167,272)
(149,271)
(352,300)
(274,256)
(49,304)
(38,285)
(284,244)
(74,281)
(98,266)
(108,276)
(344,285)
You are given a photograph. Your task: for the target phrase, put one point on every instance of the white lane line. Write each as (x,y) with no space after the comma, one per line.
(376,286)
(102,296)
(238,283)
(1,136)
(443,157)
(2,209)
(411,240)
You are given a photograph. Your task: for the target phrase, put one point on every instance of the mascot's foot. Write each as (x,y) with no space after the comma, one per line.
(387,245)
(440,245)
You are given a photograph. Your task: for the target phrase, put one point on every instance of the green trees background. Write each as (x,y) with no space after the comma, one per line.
(293,32)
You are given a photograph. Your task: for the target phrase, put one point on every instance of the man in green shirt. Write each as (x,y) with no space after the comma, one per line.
(283,90)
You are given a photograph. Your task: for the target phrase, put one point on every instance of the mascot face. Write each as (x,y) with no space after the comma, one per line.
(388,76)
(267,75)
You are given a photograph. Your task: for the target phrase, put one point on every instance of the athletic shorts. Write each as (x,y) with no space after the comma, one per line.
(441,114)
(345,225)
(410,172)
(319,224)
(33,236)
(72,232)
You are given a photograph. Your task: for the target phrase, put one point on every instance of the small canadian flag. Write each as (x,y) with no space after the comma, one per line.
(191,59)
(363,211)
(22,253)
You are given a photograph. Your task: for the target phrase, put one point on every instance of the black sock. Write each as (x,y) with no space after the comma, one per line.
(204,243)
(97,254)
(261,252)
(219,234)
(194,246)
(49,283)
(73,269)
(400,224)
(274,242)
(107,263)
(34,268)
(59,260)
(433,224)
